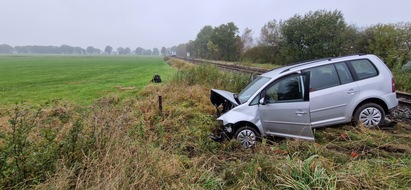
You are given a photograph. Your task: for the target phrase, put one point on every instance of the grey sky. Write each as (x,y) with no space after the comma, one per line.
(158,23)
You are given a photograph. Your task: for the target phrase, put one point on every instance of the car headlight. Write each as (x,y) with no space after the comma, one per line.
(228,128)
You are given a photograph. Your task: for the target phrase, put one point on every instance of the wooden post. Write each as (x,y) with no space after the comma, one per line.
(160,105)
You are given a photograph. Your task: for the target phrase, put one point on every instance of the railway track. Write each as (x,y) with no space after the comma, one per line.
(404,99)
(227,66)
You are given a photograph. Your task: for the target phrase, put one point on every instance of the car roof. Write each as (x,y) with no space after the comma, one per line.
(308,64)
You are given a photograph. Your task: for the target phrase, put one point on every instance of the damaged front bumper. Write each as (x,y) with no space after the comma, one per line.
(223,101)
(223,132)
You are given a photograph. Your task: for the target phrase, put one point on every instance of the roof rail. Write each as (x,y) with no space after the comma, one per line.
(302,63)
(294,65)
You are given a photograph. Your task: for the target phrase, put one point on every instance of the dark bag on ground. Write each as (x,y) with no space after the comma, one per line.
(156,79)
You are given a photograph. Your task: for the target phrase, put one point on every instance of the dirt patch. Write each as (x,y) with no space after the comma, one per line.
(4,123)
(125,88)
(395,148)
(337,148)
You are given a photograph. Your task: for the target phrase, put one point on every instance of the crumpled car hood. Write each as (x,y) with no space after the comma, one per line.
(218,97)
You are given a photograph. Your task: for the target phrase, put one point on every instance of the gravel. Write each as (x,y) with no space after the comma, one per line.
(401,113)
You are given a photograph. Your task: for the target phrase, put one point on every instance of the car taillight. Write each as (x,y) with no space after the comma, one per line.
(393,84)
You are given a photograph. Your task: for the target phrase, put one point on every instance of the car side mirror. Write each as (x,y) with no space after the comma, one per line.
(262,101)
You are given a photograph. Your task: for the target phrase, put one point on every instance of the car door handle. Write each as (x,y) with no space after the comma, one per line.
(351,91)
(300,112)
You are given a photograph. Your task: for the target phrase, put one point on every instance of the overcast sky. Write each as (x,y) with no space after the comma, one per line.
(157,23)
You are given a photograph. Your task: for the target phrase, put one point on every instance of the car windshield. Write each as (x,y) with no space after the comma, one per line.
(251,88)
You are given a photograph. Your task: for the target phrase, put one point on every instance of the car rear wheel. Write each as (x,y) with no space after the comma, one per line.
(247,136)
(369,115)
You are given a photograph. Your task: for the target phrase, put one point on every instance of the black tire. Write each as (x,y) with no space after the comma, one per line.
(369,115)
(247,136)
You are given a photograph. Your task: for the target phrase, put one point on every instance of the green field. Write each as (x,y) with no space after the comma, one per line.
(78,79)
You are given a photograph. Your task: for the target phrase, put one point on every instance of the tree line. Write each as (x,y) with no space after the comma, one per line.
(66,49)
(316,34)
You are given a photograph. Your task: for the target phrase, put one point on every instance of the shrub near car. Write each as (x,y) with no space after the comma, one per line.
(290,101)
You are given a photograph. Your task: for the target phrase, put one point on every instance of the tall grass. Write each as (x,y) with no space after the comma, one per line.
(304,174)
(211,76)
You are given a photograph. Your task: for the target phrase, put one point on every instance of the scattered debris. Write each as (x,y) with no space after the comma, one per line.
(156,78)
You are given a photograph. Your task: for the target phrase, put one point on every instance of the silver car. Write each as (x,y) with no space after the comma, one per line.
(291,101)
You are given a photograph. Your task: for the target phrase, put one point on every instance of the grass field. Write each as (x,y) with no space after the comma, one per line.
(78,79)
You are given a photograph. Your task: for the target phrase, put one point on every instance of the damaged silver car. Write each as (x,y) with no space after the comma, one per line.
(291,101)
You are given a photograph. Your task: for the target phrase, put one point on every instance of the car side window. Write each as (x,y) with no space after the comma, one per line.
(285,90)
(323,77)
(343,73)
(363,68)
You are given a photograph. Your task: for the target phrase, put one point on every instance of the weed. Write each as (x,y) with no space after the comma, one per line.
(306,174)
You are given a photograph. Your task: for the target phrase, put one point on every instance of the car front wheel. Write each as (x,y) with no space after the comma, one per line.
(369,115)
(247,136)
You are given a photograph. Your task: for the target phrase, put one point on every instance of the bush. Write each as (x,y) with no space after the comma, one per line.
(402,79)
(35,139)
(212,77)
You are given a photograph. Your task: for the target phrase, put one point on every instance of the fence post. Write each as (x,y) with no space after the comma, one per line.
(160,105)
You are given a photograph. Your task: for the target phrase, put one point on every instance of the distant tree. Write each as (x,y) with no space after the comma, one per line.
(6,49)
(213,49)
(164,51)
(139,51)
(268,49)
(247,39)
(90,50)
(127,51)
(201,42)
(228,42)
(173,49)
(315,35)
(181,50)
(22,49)
(156,51)
(270,34)
(147,52)
(44,49)
(261,54)
(391,42)
(190,48)
(64,49)
(108,50)
(79,50)
(120,51)
(405,44)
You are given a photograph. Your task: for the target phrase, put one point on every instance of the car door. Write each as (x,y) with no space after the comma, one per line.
(332,90)
(284,108)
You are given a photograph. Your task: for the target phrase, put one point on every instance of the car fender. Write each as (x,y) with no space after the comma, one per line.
(370,94)
(243,113)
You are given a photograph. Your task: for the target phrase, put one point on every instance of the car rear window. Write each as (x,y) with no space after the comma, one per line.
(364,69)
(343,73)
